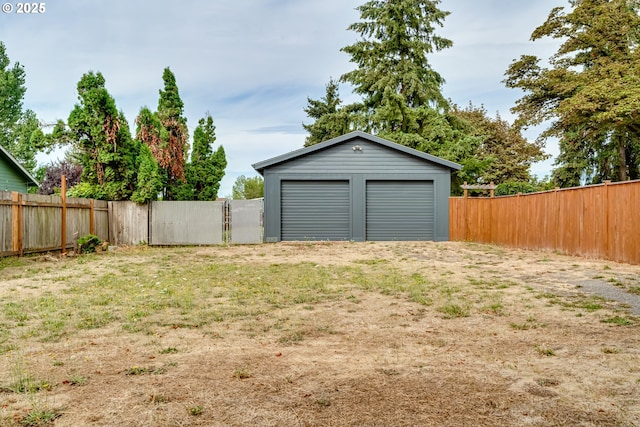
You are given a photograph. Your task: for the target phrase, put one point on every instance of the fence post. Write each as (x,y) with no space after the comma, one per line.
(556,236)
(16,223)
(226,221)
(63,194)
(608,254)
(492,223)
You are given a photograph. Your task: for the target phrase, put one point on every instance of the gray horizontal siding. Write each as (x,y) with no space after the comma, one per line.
(373,157)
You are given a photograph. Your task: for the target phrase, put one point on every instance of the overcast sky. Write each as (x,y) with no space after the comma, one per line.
(251,64)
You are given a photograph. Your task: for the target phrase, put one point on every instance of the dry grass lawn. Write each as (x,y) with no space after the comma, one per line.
(317,334)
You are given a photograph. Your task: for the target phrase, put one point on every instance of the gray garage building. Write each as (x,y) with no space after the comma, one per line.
(356,187)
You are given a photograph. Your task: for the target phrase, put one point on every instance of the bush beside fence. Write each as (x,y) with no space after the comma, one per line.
(599,221)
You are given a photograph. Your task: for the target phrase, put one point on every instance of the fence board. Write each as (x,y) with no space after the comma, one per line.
(624,224)
(41,219)
(101,219)
(78,220)
(6,232)
(599,221)
(128,223)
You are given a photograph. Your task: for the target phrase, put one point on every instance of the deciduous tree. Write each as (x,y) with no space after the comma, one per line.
(20,130)
(248,188)
(590,91)
(509,154)
(52,181)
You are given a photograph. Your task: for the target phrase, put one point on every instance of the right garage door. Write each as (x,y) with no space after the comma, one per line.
(400,210)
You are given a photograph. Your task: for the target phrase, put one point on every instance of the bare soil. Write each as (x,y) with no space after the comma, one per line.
(532,349)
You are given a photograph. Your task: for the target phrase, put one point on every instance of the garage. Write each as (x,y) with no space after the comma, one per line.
(356,187)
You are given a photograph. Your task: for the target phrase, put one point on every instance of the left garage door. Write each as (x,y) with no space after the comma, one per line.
(315,210)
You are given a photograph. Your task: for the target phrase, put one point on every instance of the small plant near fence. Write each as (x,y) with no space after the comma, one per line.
(88,244)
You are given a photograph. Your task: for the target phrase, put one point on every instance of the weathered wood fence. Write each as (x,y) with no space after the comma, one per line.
(34,223)
(599,221)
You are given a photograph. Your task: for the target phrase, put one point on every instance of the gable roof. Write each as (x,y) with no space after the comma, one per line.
(12,161)
(261,166)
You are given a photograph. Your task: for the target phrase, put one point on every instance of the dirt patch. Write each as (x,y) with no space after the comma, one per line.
(319,334)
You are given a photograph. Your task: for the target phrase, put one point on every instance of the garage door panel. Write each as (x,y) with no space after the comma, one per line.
(315,210)
(400,210)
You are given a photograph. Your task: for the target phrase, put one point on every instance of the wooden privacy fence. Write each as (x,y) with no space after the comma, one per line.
(599,221)
(36,223)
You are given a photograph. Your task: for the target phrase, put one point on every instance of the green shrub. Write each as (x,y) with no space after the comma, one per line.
(88,244)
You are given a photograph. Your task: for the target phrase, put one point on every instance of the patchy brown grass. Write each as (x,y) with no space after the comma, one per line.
(316,334)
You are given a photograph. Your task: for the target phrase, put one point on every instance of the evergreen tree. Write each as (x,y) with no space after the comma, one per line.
(101,139)
(394,76)
(402,99)
(149,133)
(331,119)
(149,182)
(12,90)
(166,134)
(206,169)
(590,92)
(401,93)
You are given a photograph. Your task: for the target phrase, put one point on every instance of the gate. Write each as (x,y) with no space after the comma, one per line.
(245,221)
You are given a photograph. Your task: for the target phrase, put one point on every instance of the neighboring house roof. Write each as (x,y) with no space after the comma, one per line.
(261,166)
(12,160)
